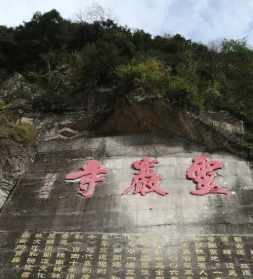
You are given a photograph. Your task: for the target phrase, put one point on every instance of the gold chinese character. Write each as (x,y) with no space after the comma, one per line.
(159,272)
(246,272)
(213,252)
(188,272)
(75,256)
(201,259)
(217,273)
(33,253)
(56,275)
(78,236)
(41,275)
(104,243)
(88,257)
(117,250)
(214,258)
(212,245)
(201,265)
(145,264)
(91,250)
(47,254)
(101,271)
(76,249)
(37,241)
(43,268)
(70,276)
(232,272)
(116,264)
(199,252)
(244,266)
(16,260)
(130,272)
(63,242)
(87,270)
(230,265)
(26,234)
(130,265)
(22,241)
(186,252)
(31,260)
(227,252)
(72,269)
(60,255)
(51,236)
(44,261)
(50,242)
(237,239)
(199,245)
(224,239)
(57,268)
(174,272)
(159,264)
(21,247)
(28,267)
(173,265)
(239,245)
(49,248)
(104,257)
(65,236)
(102,264)
(87,263)
(91,236)
(59,262)
(240,252)
(25,274)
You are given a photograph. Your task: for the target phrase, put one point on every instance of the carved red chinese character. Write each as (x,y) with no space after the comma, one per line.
(145,180)
(89,175)
(202,172)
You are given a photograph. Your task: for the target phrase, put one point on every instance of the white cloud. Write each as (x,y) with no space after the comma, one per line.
(200,20)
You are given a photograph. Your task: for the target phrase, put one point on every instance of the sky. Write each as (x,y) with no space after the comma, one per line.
(200,20)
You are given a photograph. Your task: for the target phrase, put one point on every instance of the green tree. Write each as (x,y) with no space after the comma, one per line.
(143,80)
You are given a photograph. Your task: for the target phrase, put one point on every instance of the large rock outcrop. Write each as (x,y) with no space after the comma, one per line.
(216,132)
(17,142)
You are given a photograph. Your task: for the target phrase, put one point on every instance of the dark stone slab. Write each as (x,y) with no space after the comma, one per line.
(80,255)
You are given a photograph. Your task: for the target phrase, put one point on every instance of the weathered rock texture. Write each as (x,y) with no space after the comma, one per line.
(16,153)
(216,132)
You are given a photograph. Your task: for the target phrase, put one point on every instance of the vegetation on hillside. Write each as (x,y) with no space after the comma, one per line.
(62,62)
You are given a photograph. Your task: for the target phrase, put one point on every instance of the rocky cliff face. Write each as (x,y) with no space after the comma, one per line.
(17,139)
(216,132)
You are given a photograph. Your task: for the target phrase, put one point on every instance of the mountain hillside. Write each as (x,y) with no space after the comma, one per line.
(61,79)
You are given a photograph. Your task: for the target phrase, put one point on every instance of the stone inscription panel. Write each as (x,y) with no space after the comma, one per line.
(141,256)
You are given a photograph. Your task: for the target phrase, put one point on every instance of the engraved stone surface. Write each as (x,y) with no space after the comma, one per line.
(178,236)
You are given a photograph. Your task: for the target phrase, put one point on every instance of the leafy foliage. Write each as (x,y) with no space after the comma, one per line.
(66,62)
(25,133)
(148,78)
